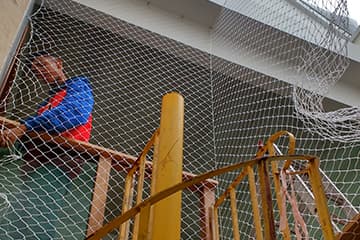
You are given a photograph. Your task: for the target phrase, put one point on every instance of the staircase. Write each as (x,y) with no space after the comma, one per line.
(333,194)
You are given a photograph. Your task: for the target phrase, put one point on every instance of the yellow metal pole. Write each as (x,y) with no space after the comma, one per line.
(320,199)
(127,200)
(155,160)
(152,190)
(279,195)
(129,189)
(140,186)
(234,216)
(167,212)
(143,233)
(276,175)
(281,204)
(266,201)
(234,183)
(255,204)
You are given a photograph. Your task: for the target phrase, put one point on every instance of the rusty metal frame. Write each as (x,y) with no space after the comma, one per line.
(265,153)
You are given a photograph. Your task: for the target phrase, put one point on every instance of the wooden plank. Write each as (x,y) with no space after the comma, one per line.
(214,224)
(207,201)
(98,202)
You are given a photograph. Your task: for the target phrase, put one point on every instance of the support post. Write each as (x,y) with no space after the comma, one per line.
(127,203)
(97,210)
(234,214)
(207,201)
(254,203)
(266,201)
(167,212)
(152,190)
(320,199)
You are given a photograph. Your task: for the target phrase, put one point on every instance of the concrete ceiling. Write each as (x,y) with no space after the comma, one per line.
(190,22)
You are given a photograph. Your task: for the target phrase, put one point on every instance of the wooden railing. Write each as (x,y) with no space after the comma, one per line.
(108,159)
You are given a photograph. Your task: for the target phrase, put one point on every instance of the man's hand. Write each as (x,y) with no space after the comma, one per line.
(9,136)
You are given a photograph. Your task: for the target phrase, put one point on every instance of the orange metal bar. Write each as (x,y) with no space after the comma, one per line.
(127,201)
(266,201)
(223,196)
(234,214)
(141,178)
(255,204)
(155,159)
(279,198)
(152,187)
(266,194)
(279,194)
(129,189)
(291,149)
(276,176)
(117,221)
(144,223)
(320,199)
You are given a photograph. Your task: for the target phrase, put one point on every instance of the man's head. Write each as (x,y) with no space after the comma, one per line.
(48,68)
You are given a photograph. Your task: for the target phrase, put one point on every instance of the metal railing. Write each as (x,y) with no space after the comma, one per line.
(268,231)
(142,210)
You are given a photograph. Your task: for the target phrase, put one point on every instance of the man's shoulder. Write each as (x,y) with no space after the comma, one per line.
(78,78)
(78,81)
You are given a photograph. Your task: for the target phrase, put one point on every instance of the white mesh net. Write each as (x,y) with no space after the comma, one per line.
(270,68)
(129,70)
(277,81)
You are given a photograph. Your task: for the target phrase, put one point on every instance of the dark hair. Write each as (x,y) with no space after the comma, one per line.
(39,53)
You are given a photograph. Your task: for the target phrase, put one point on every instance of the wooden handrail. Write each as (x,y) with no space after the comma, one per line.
(118,159)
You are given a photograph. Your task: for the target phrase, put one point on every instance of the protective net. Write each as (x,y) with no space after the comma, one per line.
(270,68)
(129,70)
(284,60)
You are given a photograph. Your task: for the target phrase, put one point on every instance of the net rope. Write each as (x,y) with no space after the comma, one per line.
(269,68)
(322,71)
(283,58)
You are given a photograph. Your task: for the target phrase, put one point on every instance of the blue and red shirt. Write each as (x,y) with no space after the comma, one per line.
(67,111)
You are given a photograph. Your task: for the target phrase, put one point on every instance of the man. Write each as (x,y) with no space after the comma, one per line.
(48,169)
(66,112)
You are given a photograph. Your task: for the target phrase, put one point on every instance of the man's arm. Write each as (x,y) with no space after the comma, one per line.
(73,111)
(9,136)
